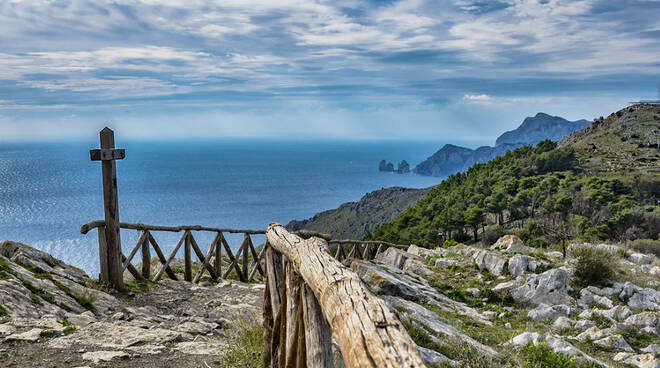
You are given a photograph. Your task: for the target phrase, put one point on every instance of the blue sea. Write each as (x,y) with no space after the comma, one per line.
(48,190)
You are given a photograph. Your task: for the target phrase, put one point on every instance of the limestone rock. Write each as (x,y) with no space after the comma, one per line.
(393,257)
(445,262)
(588,299)
(201,348)
(433,358)
(640,360)
(508,285)
(103,356)
(510,244)
(550,287)
(544,312)
(640,258)
(650,320)
(490,261)
(645,299)
(618,313)
(563,323)
(31,335)
(593,333)
(652,349)
(616,342)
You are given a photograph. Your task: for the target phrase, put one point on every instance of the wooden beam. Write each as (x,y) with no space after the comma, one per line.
(218,256)
(231,257)
(207,260)
(166,265)
(146,257)
(138,245)
(84,229)
(246,260)
(162,258)
(318,334)
(201,256)
(187,260)
(369,333)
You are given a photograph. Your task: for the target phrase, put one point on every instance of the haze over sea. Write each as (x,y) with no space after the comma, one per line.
(48,190)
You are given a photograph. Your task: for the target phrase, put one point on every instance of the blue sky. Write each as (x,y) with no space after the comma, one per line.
(460,70)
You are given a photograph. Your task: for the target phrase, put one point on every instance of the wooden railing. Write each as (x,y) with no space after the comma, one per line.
(310,297)
(361,249)
(245,263)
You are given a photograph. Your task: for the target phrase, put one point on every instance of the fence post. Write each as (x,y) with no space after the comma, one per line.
(111,263)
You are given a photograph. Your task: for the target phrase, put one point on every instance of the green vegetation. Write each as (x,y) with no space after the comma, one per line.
(540,356)
(593,266)
(541,193)
(648,246)
(245,345)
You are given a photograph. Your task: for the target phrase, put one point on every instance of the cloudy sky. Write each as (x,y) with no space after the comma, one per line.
(454,70)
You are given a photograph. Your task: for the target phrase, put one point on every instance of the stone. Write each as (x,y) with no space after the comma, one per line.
(474,292)
(556,344)
(544,312)
(103,356)
(445,262)
(525,338)
(652,349)
(640,360)
(588,299)
(563,323)
(201,348)
(508,286)
(197,326)
(593,333)
(508,326)
(420,252)
(618,313)
(519,264)
(116,335)
(490,261)
(645,299)
(616,342)
(416,267)
(555,255)
(32,335)
(584,324)
(615,289)
(642,320)
(510,244)
(640,258)
(550,287)
(393,257)
(82,319)
(628,290)
(433,358)
(6,330)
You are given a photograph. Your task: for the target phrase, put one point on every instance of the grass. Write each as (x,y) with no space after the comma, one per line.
(541,356)
(601,321)
(245,345)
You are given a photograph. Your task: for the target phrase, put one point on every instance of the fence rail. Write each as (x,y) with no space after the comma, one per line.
(310,297)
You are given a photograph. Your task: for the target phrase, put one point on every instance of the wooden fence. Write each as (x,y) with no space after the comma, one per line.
(310,297)
(245,263)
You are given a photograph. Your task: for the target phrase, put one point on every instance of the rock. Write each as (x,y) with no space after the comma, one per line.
(196,326)
(555,344)
(519,264)
(417,315)
(393,257)
(510,244)
(563,323)
(550,287)
(445,262)
(490,261)
(509,285)
(584,324)
(618,313)
(32,335)
(645,299)
(588,299)
(640,258)
(508,326)
(645,320)
(544,312)
(655,271)
(416,267)
(201,348)
(117,335)
(628,290)
(103,356)
(403,167)
(593,333)
(421,252)
(82,319)
(640,361)
(652,349)
(555,255)
(616,342)
(385,166)
(433,358)
(615,289)
(525,338)
(474,292)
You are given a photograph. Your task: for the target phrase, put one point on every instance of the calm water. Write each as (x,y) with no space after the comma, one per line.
(47,191)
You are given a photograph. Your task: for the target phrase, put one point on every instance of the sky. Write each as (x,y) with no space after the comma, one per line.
(457,70)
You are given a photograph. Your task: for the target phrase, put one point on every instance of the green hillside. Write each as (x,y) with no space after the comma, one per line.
(597,184)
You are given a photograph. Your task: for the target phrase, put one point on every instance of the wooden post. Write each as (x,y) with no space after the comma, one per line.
(146,258)
(318,334)
(187,275)
(246,242)
(111,257)
(218,257)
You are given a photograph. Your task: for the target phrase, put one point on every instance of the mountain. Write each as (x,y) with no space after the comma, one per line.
(353,220)
(451,158)
(540,127)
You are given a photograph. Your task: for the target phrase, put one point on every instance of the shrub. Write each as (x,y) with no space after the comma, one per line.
(646,246)
(449,243)
(541,356)
(245,345)
(491,235)
(593,266)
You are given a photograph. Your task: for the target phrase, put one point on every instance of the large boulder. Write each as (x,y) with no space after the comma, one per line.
(521,263)
(393,257)
(510,244)
(490,261)
(550,287)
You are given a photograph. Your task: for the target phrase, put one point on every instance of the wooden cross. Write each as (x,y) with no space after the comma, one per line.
(110,250)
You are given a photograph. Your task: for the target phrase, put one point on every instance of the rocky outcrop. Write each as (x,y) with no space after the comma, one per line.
(353,220)
(404,167)
(385,166)
(550,287)
(541,126)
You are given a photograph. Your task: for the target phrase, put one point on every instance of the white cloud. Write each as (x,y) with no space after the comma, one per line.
(481,97)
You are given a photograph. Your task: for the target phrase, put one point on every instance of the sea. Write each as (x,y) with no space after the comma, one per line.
(48,190)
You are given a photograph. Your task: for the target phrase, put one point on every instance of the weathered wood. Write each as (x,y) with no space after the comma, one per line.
(267,324)
(84,229)
(146,257)
(103,255)
(201,256)
(295,330)
(318,335)
(351,254)
(114,276)
(368,332)
(257,262)
(347,241)
(293,286)
(107,154)
(306,234)
(162,258)
(187,260)
(218,256)
(365,254)
(338,252)
(166,265)
(234,263)
(246,241)
(379,250)
(138,245)
(207,260)
(136,274)
(275,276)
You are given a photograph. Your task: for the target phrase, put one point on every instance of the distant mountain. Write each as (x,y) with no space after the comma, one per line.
(451,159)
(540,127)
(353,220)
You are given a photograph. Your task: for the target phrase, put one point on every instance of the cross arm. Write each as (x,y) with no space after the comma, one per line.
(107,154)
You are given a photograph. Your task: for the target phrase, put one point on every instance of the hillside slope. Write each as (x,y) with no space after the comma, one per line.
(353,220)
(540,127)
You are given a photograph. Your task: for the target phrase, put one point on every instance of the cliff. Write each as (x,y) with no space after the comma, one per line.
(540,127)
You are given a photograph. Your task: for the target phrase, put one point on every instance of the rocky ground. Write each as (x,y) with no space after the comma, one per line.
(464,306)
(54,316)
(475,307)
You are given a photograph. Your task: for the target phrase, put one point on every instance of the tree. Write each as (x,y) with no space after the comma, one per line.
(474,217)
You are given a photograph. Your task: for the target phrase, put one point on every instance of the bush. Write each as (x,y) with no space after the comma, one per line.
(541,356)
(593,266)
(245,345)
(648,246)
(449,243)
